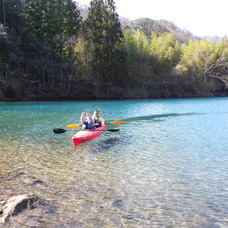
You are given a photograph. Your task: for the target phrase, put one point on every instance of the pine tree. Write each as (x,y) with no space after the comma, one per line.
(12,14)
(104,39)
(51,24)
(49,18)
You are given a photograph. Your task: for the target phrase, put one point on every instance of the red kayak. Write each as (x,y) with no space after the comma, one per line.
(86,135)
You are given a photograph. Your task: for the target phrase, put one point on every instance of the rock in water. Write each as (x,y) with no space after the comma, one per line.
(16,204)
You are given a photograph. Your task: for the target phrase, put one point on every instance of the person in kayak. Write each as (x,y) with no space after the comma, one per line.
(97,120)
(87,121)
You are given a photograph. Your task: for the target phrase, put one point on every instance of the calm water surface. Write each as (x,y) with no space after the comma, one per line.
(166,167)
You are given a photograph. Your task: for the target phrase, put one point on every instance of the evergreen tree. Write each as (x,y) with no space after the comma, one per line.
(103,37)
(49,18)
(12,14)
(53,26)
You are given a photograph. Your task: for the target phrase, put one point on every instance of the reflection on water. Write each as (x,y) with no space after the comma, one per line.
(166,167)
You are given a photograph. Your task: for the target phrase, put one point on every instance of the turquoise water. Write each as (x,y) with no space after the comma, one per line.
(166,167)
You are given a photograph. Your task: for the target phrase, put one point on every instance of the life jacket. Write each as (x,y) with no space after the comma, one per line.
(98,121)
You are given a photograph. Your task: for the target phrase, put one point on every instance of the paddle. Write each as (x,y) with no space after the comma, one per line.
(60,130)
(116,122)
(76,125)
(72,125)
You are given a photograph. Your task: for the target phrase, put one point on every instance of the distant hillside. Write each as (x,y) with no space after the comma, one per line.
(148,25)
(83,10)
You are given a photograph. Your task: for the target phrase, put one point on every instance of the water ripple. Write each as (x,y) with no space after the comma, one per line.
(159,170)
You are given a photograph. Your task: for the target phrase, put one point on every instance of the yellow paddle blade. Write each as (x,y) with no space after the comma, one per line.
(117,122)
(72,125)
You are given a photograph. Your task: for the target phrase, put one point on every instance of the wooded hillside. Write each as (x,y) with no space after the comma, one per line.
(47,51)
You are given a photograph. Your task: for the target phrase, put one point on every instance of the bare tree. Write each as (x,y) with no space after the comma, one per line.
(219,70)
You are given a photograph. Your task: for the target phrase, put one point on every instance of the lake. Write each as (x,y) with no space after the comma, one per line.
(166,167)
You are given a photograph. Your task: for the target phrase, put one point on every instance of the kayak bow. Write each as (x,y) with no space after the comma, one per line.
(86,135)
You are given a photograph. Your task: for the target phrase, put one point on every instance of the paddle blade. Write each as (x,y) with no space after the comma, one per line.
(117,122)
(113,129)
(59,130)
(72,125)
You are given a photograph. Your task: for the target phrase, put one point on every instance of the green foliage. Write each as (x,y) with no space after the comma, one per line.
(48,52)
(166,51)
(199,56)
(203,66)
(138,57)
(147,25)
(138,62)
(11,58)
(150,60)
(103,40)
(49,18)
(47,38)
(12,14)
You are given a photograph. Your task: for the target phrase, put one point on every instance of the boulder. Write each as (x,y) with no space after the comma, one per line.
(17,204)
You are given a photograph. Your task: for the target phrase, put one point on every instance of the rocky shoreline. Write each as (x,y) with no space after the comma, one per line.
(17,204)
(24,210)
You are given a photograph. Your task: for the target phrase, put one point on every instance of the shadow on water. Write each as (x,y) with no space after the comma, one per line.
(103,145)
(159,117)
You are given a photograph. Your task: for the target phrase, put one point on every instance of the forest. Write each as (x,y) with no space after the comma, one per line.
(48,51)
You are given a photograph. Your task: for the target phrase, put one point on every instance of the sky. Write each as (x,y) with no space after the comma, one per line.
(200,17)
